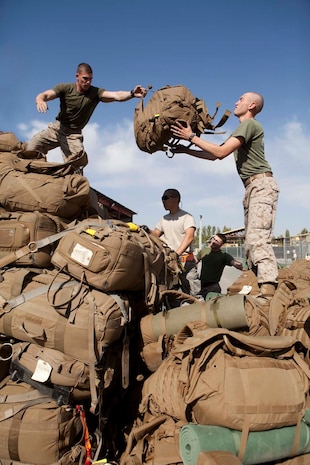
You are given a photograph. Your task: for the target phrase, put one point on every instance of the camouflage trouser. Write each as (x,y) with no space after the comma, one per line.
(260,205)
(69,140)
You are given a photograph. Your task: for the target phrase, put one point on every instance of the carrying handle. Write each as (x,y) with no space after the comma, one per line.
(61,286)
(6,352)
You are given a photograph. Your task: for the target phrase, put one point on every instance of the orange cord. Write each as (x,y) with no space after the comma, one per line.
(88,458)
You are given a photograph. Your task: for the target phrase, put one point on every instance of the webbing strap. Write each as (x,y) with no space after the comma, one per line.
(91,353)
(120,302)
(25,296)
(24,400)
(125,351)
(59,333)
(125,361)
(302,364)
(244,439)
(34,246)
(214,306)
(14,436)
(25,184)
(223,119)
(296,438)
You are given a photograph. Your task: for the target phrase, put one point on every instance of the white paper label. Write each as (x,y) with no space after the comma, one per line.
(81,254)
(245,290)
(42,371)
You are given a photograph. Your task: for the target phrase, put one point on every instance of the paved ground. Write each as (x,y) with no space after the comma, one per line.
(230,274)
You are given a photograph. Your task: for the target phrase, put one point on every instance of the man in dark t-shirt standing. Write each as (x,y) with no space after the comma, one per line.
(213,262)
(78,101)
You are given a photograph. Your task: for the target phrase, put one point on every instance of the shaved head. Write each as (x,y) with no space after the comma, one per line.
(258,99)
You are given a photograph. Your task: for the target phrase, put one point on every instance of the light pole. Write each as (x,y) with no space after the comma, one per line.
(200,231)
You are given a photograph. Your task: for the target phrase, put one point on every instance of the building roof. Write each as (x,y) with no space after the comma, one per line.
(110,208)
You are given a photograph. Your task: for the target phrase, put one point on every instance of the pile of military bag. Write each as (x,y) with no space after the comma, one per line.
(216,393)
(71,284)
(101,359)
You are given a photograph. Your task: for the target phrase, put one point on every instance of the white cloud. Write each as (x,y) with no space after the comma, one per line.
(119,169)
(290,148)
(289,152)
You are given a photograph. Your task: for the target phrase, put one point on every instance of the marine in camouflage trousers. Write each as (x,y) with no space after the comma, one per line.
(260,205)
(57,135)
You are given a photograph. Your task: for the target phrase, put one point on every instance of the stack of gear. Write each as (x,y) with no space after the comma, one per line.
(216,395)
(72,287)
(98,362)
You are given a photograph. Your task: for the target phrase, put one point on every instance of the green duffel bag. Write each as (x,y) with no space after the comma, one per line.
(198,441)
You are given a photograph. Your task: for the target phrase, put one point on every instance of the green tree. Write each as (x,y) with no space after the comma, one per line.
(206,233)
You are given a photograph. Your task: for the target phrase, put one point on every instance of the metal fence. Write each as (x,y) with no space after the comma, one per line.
(285,254)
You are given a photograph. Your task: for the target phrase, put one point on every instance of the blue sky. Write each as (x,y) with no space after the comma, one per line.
(219,50)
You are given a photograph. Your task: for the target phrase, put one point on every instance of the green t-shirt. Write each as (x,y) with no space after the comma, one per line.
(76,108)
(250,157)
(212,265)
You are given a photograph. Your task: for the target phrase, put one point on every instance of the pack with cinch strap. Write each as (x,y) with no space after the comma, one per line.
(62,377)
(34,429)
(10,143)
(112,255)
(28,184)
(224,378)
(166,106)
(18,229)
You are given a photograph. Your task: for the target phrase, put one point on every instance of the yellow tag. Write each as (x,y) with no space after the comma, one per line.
(91,232)
(133,226)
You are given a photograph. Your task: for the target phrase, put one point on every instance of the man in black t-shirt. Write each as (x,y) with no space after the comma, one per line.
(213,262)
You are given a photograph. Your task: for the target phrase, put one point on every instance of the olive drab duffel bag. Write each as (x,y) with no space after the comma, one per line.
(219,377)
(10,143)
(34,429)
(18,229)
(168,104)
(102,255)
(56,311)
(112,255)
(54,188)
(51,371)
